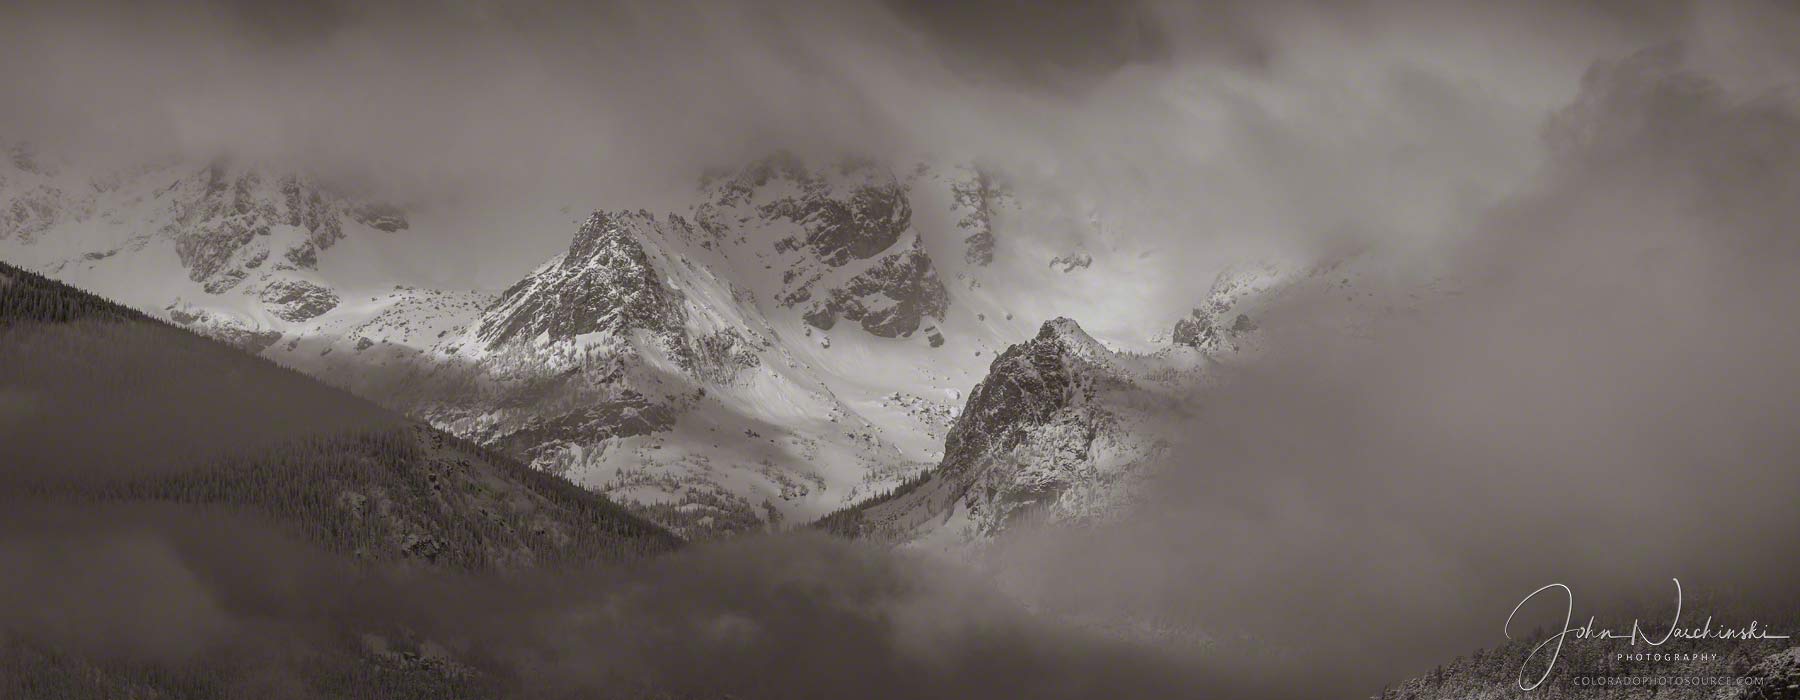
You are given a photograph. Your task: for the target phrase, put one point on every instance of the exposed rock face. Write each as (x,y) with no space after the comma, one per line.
(981,248)
(982,196)
(250,340)
(227,223)
(1039,437)
(1025,386)
(1223,321)
(1196,331)
(539,440)
(890,300)
(719,356)
(230,249)
(214,229)
(605,283)
(296,300)
(1072,262)
(843,239)
(251,242)
(380,216)
(858,228)
(230,224)
(309,209)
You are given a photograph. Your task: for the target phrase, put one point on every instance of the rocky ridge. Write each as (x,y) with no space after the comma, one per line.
(246,241)
(1055,431)
(728,366)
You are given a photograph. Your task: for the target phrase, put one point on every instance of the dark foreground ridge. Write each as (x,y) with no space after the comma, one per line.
(123,408)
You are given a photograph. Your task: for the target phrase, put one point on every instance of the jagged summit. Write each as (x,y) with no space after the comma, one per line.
(1024,387)
(1062,327)
(1070,335)
(1051,431)
(605,283)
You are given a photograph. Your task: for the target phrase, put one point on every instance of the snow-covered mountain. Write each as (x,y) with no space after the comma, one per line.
(783,348)
(1057,430)
(1063,428)
(242,252)
(796,340)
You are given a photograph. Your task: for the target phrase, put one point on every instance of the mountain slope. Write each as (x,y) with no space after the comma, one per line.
(240,251)
(1057,430)
(185,420)
(795,340)
(1063,427)
(703,365)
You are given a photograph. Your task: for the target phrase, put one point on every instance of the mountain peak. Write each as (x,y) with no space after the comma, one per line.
(1070,336)
(606,283)
(1062,327)
(1032,438)
(609,230)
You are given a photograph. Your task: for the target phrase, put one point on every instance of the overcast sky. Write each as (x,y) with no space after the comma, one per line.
(1205,126)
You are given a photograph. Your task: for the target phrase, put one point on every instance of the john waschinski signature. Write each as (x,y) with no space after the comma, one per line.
(1554,643)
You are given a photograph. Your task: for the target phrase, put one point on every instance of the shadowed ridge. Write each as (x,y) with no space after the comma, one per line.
(194,422)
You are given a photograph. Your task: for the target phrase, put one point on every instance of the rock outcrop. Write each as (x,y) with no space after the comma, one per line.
(1044,435)
(982,196)
(297,300)
(889,300)
(845,242)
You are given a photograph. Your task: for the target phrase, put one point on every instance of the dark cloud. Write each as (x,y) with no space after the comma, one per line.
(1598,392)
(788,617)
(1201,131)
(1066,44)
(226,593)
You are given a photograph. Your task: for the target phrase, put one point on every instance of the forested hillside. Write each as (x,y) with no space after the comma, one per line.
(200,493)
(27,296)
(101,405)
(1757,669)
